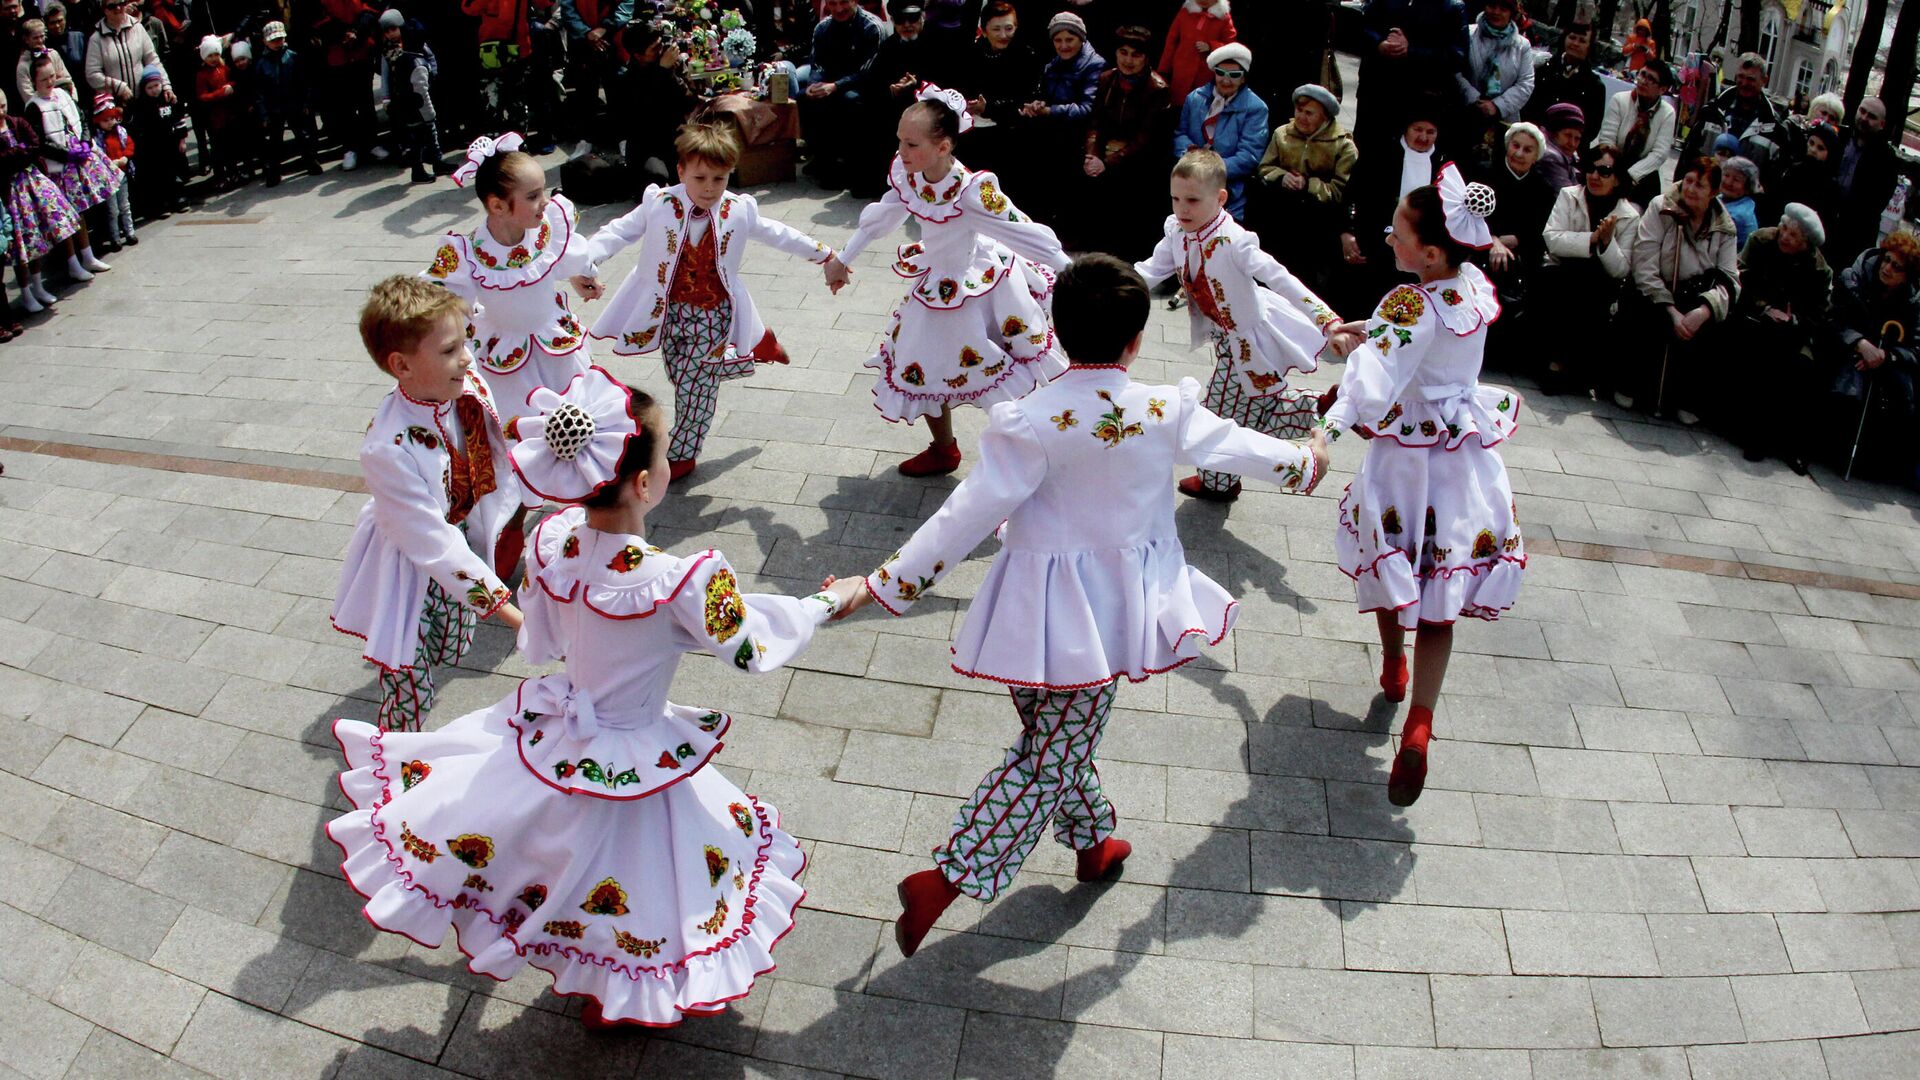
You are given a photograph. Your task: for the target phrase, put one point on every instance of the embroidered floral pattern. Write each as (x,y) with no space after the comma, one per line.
(716,864)
(481,598)
(1390,521)
(1263,380)
(743,656)
(606,776)
(741,817)
(607,898)
(422,437)
(412,772)
(711,721)
(626,560)
(991,199)
(416,847)
(639,947)
(969,357)
(1157,408)
(1484,544)
(671,759)
(719,919)
(1065,420)
(533,896)
(993,369)
(913,375)
(1012,327)
(1451,296)
(445,261)
(477,883)
(1404,306)
(1112,427)
(471,848)
(725,612)
(569,929)
(570,547)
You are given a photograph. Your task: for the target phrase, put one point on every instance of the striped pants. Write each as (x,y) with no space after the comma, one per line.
(1048,774)
(446,633)
(1288,414)
(690,340)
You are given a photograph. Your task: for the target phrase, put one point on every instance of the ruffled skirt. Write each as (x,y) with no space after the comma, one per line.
(42,215)
(994,343)
(658,907)
(89,182)
(1429,528)
(1101,614)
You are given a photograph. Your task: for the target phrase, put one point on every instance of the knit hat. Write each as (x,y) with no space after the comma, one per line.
(391,19)
(1804,216)
(1728,142)
(103,103)
(1565,115)
(1826,133)
(152,73)
(1067,20)
(274,31)
(1319,94)
(242,51)
(1235,52)
(209,46)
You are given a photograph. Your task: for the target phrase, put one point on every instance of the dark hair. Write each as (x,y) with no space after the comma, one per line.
(1597,151)
(1139,37)
(1099,307)
(45,59)
(490,179)
(942,121)
(639,36)
(636,456)
(1430,225)
(998,9)
(1660,71)
(1703,164)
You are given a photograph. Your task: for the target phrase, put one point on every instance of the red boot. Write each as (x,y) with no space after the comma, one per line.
(1409,776)
(1393,678)
(923,896)
(506,553)
(594,1020)
(935,460)
(1103,859)
(1193,486)
(680,470)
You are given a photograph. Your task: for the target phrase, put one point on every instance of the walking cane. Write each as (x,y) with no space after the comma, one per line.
(1891,329)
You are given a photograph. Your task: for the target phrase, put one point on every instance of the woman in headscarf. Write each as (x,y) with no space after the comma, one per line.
(1784,287)
(1125,163)
(1229,119)
(1380,181)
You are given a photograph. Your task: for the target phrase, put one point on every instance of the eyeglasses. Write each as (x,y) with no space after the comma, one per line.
(1602,170)
(1229,73)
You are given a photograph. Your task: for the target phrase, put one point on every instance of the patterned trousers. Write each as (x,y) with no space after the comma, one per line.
(692,340)
(1048,774)
(1288,414)
(446,633)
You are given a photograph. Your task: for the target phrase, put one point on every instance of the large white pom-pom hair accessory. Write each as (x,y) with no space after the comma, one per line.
(952,99)
(483,148)
(571,451)
(1467,206)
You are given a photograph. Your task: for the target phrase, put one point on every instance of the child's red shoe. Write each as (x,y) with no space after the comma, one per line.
(923,896)
(506,553)
(1393,677)
(1197,488)
(1103,859)
(680,470)
(935,460)
(594,1020)
(1409,776)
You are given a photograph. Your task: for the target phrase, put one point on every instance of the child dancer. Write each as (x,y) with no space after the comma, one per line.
(39,212)
(412,585)
(575,824)
(1429,531)
(111,139)
(1090,585)
(512,269)
(1222,268)
(685,298)
(66,155)
(958,336)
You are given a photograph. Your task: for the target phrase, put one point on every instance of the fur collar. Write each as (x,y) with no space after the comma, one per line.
(1219,9)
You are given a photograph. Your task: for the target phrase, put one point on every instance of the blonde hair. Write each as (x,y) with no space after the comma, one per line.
(1203,165)
(400,311)
(715,144)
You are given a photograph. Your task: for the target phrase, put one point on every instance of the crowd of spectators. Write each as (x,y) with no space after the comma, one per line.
(1686,271)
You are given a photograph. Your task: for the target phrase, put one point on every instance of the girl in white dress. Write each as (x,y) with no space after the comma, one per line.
(574,825)
(973,328)
(1428,528)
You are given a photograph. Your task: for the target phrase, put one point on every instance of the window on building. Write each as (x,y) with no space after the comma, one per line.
(1830,76)
(1770,37)
(1803,79)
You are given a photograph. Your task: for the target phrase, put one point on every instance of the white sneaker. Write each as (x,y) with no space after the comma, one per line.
(580,149)
(1623,401)
(92,262)
(76,271)
(1686,417)
(30,303)
(41,293)
(380,153)
(349,161)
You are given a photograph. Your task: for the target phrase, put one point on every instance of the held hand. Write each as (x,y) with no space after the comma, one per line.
(819,90)
(851,594)
(1680,331)
(1203,47)
(838,274)
(1317,446)
(510,616)
(1293,181)
(1779,316)
(589,288)
(1350,250)
(1487,108)
(978,106)
(1034,108)
(1871,355)
(1093,166)
(1343,341)
(1697,318)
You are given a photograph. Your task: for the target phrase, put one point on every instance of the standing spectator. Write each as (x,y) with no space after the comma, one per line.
(1878,288)
(1200,27)
(1745,113)
(62,38)
(110,139)
(1380,181)
(506,63)
(119,54)
(1589,246)
(407,71)
(215,90)
(36,209)
(13,33)
(1302,197)
(1810,181)
(1294,41)
(1640,123)
(1739,183)
(1497,80)
(1523,199)
(997,81)
(844,43)
(592,27)
(68,157)
(1784,287)
(342,33)
(951,27)
(1126,151)
(1228,119)
(281,77)
(1685,280)
(1866,177)
(1412,53)
(655,99)
(1640,48)
(33,46)
(1827,108)
(1568,79)
(891,82)
(1560,158)
(1055,123)
(159,127)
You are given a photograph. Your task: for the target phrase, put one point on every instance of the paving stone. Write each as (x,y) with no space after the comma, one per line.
(1872,1056)
(1758,1061)
(1792,832)
(1162,993)
(29,877)
(1799,1006)
(1691,945)
(1440,817)
(185,742)
(1118,915)
(1635,730)
(123,917)
(1597,774)
(841,813)
(1306,1005)
(1192,1057)
(843,1032)
(1837,942)
(91,772)
(1654,829)
(38,1040)
(1241,801)
(1867,884)
(236,959)
(1829,786)
(229,1039)
(338,994)
(1656,1064)
(142,1003)
(1411,937)
(1889,833)
(1554,943)
(1466,877)
(1743,736)
(975,971)
(1666,1012)
(212,877)
(1717,781)
(1281,931)
(107,1055)
(1861,743)
(1781,700)
(1891,998)
(996,1046)
(39,953)
(1541,824)
(1331,867)
(1414,1063)
(1734,885)
(1513,1011)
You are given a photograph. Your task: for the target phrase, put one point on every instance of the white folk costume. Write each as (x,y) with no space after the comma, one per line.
(419,572)
(575,825)
(686,299)
(974,327)
(1224,269)
(1091,584)
(1429,527)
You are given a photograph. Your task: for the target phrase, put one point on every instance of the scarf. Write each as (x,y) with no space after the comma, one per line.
(1635,144)
(1416,168)
(1513,27)
(470,472)
(1496,40)
(1217,106)
(1599,206)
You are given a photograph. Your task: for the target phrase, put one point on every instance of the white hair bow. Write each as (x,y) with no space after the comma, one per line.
(483,148)
(1466,206)
(952,99)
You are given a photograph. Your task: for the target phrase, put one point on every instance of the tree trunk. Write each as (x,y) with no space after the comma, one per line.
(1872,20)
(1896,87)
(1662,20)
(1749,39)
(1603,22)
(1720,32)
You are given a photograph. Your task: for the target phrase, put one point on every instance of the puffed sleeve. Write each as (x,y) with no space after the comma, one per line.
(541,639)
(1165,260)
(993,214)
(407,514)
(1397,336)
(1208,441)
(757,632)
(1012,464)
(881,217)
(783,237)
(449,269)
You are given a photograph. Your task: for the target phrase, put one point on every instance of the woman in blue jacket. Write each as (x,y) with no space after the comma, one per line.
(1228,118)
(1055,122)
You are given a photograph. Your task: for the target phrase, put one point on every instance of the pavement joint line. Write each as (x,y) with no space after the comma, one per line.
(240,470)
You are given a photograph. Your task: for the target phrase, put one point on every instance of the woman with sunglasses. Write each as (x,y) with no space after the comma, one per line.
(1589,241)
(119,51)
(1229,119)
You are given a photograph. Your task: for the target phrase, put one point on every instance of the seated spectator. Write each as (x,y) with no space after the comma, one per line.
(1229,119)
(1784,288)
(1302,197)
(1739,183)
(1640,122)
(844,43)
(1589,243)
(1560,158)
(1380,181)
(889,87)
(1877,289)
(1811,180)
(1496,82)
(1200,27)
(655,100)
(1055,122)
(1685,274)
(1126,153)
(997,81)
(1522,202)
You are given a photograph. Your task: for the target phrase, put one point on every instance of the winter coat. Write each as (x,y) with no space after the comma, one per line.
(331,24)
(842,51)
(502,20)
(1561,80)
(1068,87)
(1181,62)
(1861,306)
(1130,124)
(1766,139)
(1667,253)
(1521,207)
(1797,284)
(282,81)
(1326,158)
(115,59)
(1238,135)
(221,108)
(1511,57)
(1005,78)
(1436,32)
(406,83)
(1621,109)
(1746,219)
(23,73)
(1569,233)
(583,17)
